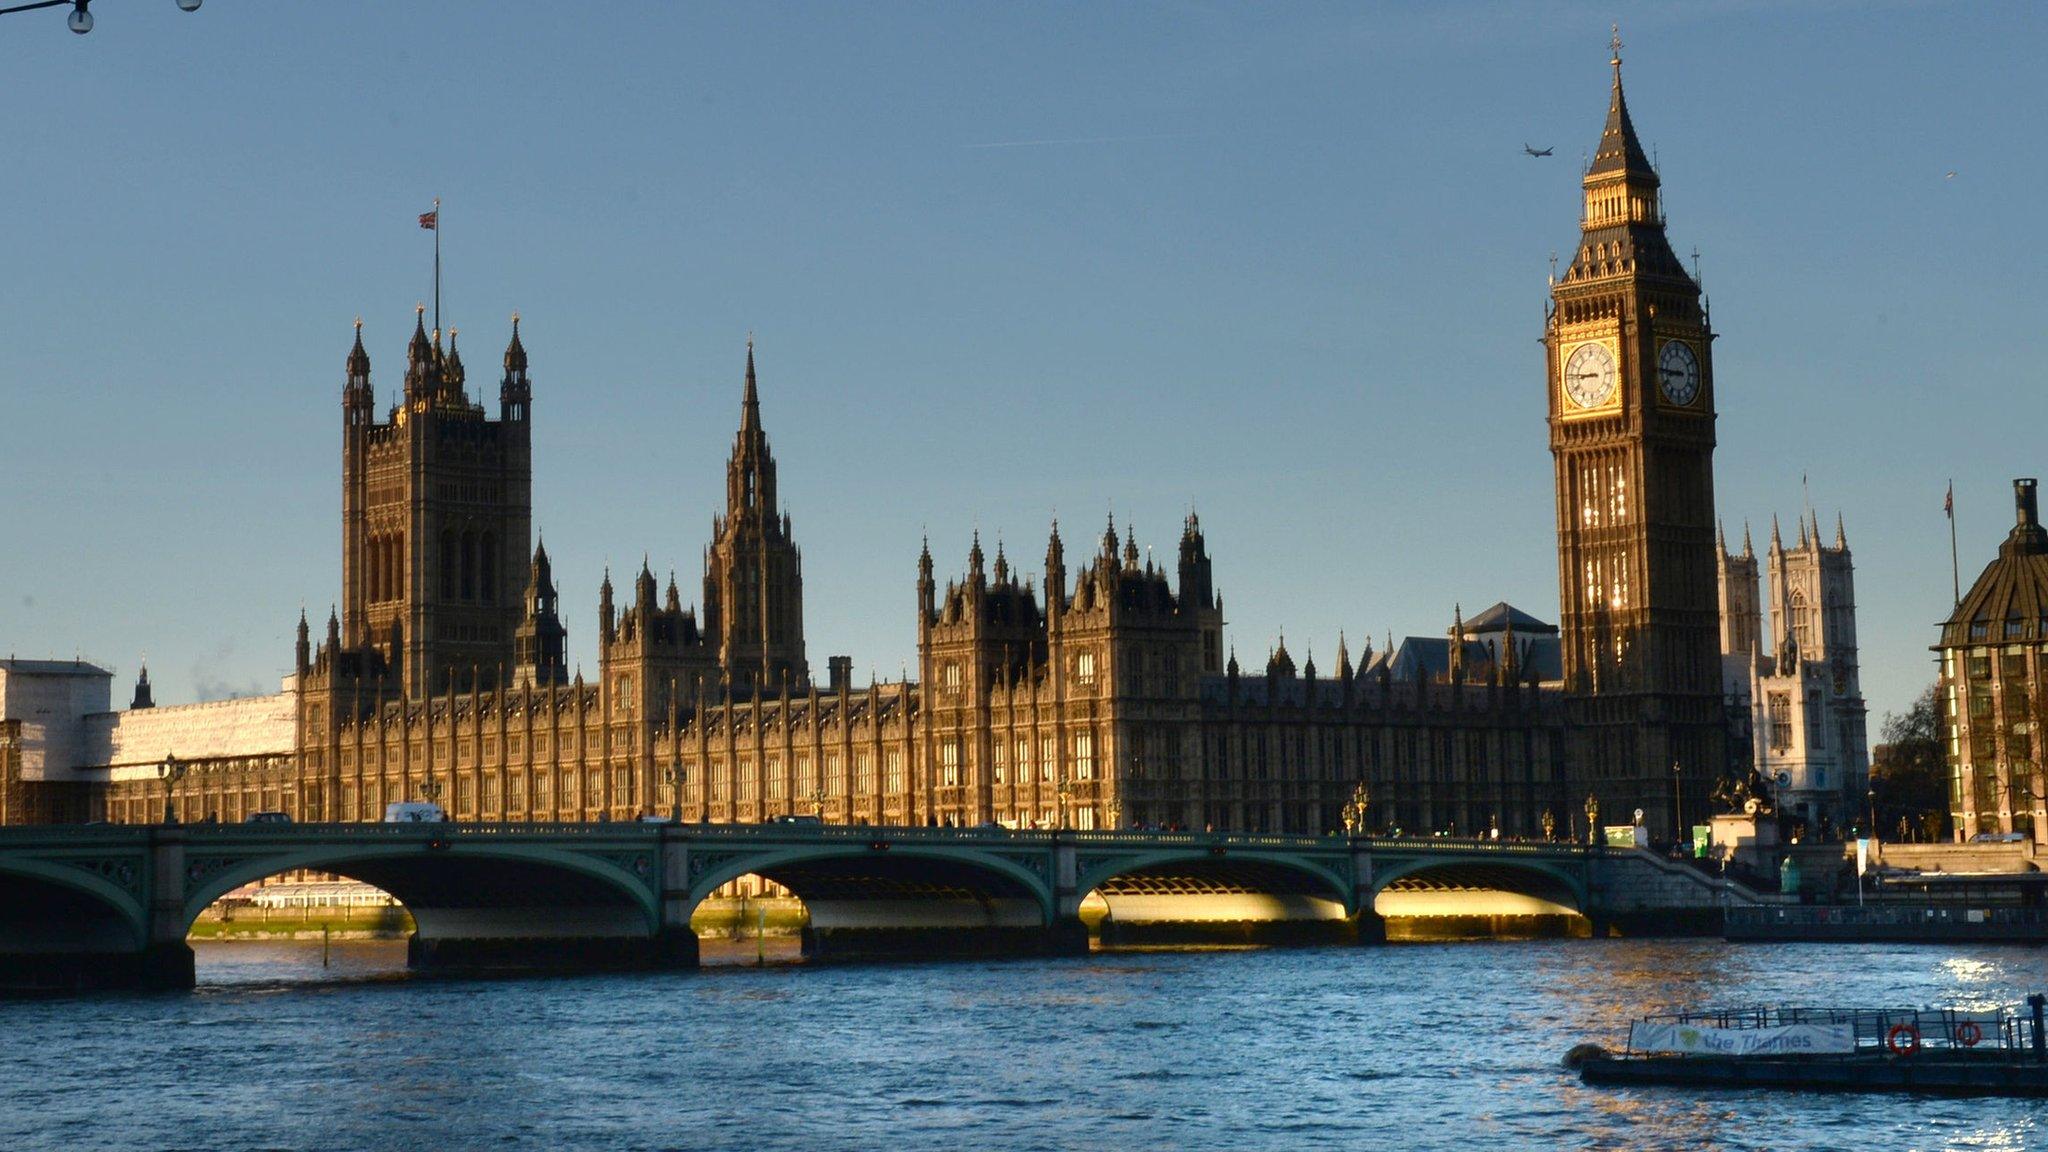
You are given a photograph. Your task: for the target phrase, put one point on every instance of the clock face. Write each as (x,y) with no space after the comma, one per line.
(1589,375)
(1678,372)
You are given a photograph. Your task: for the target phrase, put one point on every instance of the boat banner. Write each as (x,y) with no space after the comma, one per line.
(1691,1039)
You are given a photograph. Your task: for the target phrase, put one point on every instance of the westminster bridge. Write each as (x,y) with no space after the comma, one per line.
(110,905)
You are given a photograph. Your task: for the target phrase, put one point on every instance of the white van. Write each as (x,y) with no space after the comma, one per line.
(414,812)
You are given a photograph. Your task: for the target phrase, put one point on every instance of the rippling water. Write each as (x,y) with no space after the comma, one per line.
(1416,1046)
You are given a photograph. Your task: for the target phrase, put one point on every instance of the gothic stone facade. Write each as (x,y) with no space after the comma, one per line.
(1102,696)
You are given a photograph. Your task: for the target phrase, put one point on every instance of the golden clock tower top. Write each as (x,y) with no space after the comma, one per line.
(1622,221)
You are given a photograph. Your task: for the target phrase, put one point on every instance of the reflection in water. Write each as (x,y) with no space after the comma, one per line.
(1411,1046)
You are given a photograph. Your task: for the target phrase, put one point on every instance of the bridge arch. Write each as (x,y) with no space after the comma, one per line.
(58,906)
(1199,894)
(885,898)
(472,903)
(1478,886)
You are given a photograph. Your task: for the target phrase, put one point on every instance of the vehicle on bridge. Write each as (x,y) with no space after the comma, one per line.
(414,812)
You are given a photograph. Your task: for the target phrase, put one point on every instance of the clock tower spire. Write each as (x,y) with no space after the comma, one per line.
(1631,404)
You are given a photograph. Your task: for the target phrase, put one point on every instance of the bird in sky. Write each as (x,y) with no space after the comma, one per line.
(1950,176)
(1547,151)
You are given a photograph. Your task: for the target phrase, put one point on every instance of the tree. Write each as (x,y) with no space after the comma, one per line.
(1909,772)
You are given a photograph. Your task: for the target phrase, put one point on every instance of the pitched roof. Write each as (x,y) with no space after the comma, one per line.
(1498,617)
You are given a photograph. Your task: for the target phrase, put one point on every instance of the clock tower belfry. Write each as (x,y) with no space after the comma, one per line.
(1629,361)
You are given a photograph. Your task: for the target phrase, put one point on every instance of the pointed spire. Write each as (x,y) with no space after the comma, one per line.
(1620,150)
(974,559)
(358,359)
(1720,536)
(515,351)
(1343,657)
(1777,543)
(1747,550)
(421,349)
(1130,549)
(1109,539)
(1841,537)
(1002,563)
(750,403)
(1802,533)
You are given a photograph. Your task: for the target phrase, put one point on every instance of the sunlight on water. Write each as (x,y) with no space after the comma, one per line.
(1439,1046)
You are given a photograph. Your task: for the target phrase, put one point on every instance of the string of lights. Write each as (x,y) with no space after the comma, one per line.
(80,20)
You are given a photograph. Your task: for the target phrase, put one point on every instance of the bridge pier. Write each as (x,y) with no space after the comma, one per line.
(1368,926)
(482,954)
(157,968)
(943,942)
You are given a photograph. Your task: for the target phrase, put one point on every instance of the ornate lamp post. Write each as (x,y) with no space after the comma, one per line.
(1870,798)
(676,775)
(170,771)
(818,803)
(1592,819)
(1549,825)
(1066,793)
(1677,806)
(1355,809)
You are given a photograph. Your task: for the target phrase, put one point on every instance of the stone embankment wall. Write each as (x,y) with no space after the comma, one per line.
(1639,891)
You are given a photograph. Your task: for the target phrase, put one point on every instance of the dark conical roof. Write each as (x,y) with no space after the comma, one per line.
(2012,589)
(358,359)
(515,352)
(1620,150)
(421,348)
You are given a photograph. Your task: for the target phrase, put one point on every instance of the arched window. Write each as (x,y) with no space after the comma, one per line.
(487,569)
(449,565)
(469,565)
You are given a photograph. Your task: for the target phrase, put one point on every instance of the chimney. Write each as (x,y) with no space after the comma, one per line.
(2023,499)
(841,672)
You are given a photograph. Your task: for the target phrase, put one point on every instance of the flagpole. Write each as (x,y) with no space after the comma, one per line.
(1955,576)
(437,269)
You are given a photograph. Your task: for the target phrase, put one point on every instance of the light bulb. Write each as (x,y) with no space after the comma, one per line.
(80,20)
(188,5)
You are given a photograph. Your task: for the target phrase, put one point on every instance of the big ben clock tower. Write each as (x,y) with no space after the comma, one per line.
(1630,367)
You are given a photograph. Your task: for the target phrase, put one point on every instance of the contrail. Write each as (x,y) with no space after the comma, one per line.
(1082,140)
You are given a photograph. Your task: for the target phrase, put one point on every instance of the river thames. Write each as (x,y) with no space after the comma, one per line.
(1421,1046)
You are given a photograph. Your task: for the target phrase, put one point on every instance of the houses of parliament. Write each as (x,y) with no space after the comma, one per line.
(1101,693)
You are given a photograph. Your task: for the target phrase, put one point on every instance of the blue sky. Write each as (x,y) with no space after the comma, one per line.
(1285,263)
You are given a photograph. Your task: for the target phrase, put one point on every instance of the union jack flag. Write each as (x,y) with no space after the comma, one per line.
(431,220)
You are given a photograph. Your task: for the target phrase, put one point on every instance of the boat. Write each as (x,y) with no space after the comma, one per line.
(1939,1051)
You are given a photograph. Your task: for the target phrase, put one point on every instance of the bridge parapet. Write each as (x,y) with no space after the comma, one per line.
(624,892)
